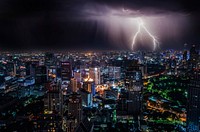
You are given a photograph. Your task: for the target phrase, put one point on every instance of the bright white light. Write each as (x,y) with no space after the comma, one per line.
(141,25)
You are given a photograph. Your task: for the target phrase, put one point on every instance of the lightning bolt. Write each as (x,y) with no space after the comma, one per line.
(141,25)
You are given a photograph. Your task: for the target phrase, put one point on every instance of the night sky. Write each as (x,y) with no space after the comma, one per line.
(76,24)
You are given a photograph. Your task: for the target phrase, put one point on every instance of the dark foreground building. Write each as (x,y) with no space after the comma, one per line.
(193,111)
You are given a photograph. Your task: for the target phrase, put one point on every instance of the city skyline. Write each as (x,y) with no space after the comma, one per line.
(99,65)
(100,91)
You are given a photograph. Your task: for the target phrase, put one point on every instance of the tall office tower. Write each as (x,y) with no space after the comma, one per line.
(185,56)
(74,107)
(122,102)
(133,78)
(134,103)
(69,124)
(133,82)
(143,69)
(11,68)
(66,71)
(88,85)
(94,73)
(41,74)
(114,73)
(30,69)
(173,66)
(193,107)
(193,57)
(77,76)
(48,122)
(49,59)
(52,73)
(52,101)
(73,83)
(184,60)
(86,97)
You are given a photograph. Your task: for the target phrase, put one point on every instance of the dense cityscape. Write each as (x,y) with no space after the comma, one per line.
(96,91)
(99,66)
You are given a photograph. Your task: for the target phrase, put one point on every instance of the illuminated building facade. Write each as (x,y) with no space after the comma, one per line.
(86,98)
(94,73)
(134,85)
(193,57)
(74,107)
(88,85)
(11,68)
(114,73)
(52,101)
(133,78)
(66,71)
(77,76)
(73,83)
(193,108)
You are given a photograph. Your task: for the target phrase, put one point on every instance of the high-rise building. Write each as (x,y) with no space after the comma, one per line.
(77,76)
(41,74)
(122,102)
(88,85)
(193,107)
(193,57)
(114,73)
(11,68)
(94,73)
(48,122)
(30,69)
(66,71)
(134,103)
(73,83)
(185,56)
(134,85)
(133,78)
(73,104)
(52,102)
(86,97)
(49,59)
(69,124)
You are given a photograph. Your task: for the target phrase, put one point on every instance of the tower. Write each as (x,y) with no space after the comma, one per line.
(193,103)
(66,71)
(73,84)
(94,73)
(193,57)
(74,106)
(88,85)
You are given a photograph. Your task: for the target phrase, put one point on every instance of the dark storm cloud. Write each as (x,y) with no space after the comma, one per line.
(51,24)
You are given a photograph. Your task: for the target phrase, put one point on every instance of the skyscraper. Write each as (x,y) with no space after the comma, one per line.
(134,85)
(52,102)
(193,107)
(114,73)
(94,73)
(66,71)
(73,83)
(133,78)
(74,107)
(49,59)
(88,85)
(30,69)
(193,57)
(41,74)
